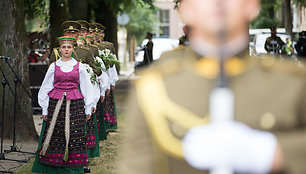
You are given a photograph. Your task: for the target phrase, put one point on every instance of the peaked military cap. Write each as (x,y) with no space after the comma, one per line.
(100,26)
(84,24)
(71,26)
(93,28)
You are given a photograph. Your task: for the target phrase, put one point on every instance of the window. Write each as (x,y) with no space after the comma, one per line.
(164,25)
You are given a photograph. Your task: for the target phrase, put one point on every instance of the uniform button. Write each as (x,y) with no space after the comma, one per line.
(267,120)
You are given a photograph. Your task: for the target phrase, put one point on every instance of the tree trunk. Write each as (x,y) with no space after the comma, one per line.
(271,13)
(78,9)
(282,24)
(58,14)
(288,18)
(12,44)
(106,17)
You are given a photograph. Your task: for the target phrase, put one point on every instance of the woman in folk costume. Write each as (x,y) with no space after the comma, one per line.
(62,142)
(92,133)
(104,81)
(110,112)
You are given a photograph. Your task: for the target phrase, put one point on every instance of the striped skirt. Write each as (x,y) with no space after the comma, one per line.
(53,160)
(92,137)
(110,115)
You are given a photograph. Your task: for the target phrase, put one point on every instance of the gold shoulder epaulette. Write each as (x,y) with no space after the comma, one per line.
(94,45)
(159,109)
(179,47)
(283,66)
(84,48)
(166,67)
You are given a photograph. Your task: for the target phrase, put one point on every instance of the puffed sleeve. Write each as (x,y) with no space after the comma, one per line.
(86,89)
(46,87)
(104,83)
(114,75)
(96,94)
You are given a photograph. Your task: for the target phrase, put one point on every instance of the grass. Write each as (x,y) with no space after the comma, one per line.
(106,163)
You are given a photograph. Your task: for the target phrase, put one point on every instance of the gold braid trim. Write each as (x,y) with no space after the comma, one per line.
(158,109)
(57,55)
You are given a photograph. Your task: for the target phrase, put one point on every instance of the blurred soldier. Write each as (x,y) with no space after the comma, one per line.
(269,96)
(89,43)
(84,28)
(183,41)
(81,54)
(273,43)
(301,45)
(99,37)
(148,50)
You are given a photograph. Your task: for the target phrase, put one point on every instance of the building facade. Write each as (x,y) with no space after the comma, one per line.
(299,18)
(170,25)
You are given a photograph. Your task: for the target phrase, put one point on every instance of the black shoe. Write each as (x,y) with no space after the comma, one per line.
(86,169)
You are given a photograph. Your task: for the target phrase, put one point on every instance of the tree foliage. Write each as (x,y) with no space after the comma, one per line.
(266,16)
(143,19)
(118,6)
(37,9)
(300,3)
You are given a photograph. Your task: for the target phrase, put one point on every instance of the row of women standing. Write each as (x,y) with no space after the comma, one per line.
(77,100)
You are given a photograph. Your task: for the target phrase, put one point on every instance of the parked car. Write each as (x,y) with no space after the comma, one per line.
(160,45)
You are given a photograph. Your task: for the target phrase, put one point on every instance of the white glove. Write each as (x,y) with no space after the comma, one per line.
(231,145)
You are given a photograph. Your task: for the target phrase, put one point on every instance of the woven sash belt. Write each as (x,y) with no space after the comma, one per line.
(52,126)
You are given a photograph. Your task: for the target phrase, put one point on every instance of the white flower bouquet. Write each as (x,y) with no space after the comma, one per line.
(93,77)
(108,58)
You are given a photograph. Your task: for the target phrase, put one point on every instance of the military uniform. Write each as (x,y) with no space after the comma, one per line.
(94,49)
(173,96)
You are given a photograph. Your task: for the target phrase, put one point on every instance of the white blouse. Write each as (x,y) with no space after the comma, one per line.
(96,88)
(66,66)
(113,75)
(104,80)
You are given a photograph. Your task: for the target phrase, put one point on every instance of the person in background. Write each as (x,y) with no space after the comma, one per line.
(184,41)
(273,43)
(301,45)
(148,50)
(288,47)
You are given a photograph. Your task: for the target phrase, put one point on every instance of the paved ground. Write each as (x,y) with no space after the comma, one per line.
(7,166)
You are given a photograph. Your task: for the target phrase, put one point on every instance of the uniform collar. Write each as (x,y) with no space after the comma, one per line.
(237,61)
(235,48)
